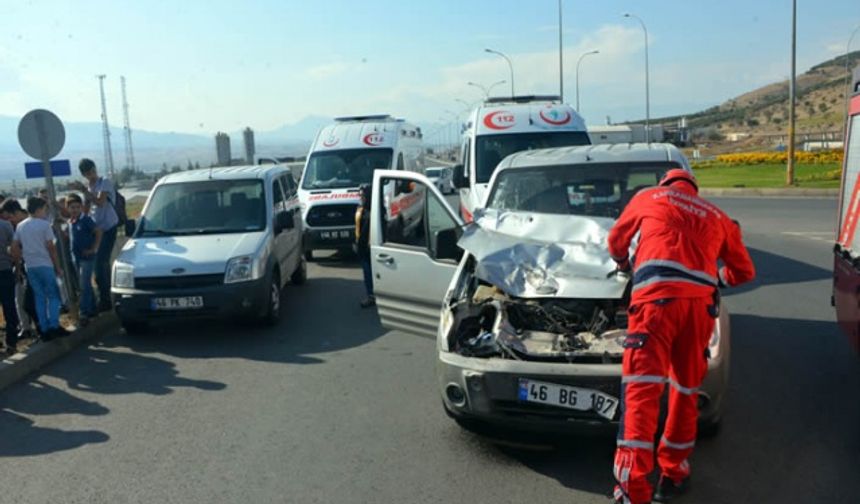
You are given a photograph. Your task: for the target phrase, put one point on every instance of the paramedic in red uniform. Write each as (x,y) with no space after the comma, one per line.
(674,303)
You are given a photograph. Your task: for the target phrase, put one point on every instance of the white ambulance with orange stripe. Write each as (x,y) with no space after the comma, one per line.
(503,126)
(344,156)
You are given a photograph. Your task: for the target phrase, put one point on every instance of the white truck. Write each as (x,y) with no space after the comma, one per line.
(502,126)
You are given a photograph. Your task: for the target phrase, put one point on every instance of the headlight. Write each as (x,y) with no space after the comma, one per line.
(239,269)
(123,275)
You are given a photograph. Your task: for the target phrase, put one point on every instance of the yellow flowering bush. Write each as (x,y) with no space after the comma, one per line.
(753,158)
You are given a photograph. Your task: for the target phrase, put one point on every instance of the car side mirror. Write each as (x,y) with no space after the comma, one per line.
(458,177)
(445,244)
(130,227)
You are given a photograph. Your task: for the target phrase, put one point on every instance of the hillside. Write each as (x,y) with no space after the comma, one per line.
(764,111)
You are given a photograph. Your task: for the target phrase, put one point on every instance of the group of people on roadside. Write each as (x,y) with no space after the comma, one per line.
(30,260)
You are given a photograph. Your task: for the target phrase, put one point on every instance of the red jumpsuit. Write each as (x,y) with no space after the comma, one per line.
(675,277)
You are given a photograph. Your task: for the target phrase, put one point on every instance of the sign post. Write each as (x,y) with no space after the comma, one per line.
(42,136)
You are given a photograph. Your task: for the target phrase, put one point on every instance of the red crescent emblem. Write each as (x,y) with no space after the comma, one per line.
(556,122)
(330,142)
(373,139)
(499,120)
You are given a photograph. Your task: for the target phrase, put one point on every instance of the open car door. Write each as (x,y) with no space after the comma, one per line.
(413,251)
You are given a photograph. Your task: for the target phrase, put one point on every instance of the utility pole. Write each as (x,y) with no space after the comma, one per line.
(792,97)
(560,58)
(129,149)
(106,129)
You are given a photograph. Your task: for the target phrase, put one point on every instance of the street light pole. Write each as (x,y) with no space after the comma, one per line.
(578,62)
(510,66)
(647,80)
(486,89)
(847,80)
(792,97)
(560,58)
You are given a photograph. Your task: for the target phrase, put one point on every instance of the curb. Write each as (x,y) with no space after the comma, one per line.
(18,366)
(769,192)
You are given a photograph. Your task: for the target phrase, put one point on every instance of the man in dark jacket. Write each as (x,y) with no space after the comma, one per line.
(362,243)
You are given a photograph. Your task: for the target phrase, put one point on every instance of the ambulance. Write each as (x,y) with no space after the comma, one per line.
(503,126)
(344,156)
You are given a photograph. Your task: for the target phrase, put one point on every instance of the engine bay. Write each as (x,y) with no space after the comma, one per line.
(489,323)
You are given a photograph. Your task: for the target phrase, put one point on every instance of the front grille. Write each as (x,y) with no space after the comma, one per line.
(332,215)
(178,282)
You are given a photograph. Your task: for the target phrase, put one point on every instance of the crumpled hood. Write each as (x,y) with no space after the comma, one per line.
(532,255)
(197,254)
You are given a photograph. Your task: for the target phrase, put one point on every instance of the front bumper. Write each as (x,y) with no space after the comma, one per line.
(219,301)
(328,238)
(490,390)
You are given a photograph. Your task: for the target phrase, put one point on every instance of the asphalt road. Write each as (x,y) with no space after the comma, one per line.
(328,407)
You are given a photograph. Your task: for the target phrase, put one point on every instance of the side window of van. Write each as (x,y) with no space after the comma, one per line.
(278,199)
(289,185)
(464,158)
(400,161)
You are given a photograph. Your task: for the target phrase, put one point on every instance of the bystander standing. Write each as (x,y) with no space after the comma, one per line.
(85,237)
(12,212)
(34,241)
(7,287)
(100,196)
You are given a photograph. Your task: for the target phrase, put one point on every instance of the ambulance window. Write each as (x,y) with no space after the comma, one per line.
(403,213)
(400,161)
(852,171)
(464,158)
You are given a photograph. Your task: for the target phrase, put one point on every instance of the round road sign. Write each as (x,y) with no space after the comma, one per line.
(41,134)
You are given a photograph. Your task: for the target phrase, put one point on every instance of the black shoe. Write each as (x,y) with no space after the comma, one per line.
(61,332)
(368,302)
(668,489)
(48,335)
(11,350)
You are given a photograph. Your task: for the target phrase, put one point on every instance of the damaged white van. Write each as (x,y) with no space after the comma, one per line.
(532,315)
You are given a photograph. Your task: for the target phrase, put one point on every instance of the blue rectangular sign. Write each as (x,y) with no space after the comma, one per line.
(59,168)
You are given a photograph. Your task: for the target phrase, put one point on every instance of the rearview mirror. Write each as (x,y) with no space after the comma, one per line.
(459,177)
(284,221)
(445,244)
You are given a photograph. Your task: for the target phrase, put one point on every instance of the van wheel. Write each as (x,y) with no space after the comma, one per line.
(273,311)
(300,275)
(309,255)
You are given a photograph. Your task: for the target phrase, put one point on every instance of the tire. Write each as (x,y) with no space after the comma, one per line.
(134,327)
(309,255)
(272,314)
(300,275)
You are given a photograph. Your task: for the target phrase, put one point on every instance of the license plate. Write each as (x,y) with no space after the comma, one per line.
(581,399)
(333,235)
(178,303)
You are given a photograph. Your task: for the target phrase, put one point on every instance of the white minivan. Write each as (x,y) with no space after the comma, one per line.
(502,126)
(211,243)
(344,156)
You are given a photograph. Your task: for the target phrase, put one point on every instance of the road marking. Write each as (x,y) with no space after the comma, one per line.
(825,236)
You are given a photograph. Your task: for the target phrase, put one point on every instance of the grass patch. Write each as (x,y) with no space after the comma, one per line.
(823,176)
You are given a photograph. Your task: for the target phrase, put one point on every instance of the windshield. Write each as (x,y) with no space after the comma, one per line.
(205,207)
(434,172)
(490,150)
(344,168)
(592,190)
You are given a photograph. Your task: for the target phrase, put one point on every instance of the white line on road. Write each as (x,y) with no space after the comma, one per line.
(825,236)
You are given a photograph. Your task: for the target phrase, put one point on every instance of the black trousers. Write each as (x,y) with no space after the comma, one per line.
(7,298)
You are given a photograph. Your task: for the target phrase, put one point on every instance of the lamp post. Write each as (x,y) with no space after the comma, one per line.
(560,58)
(792,97)
(510,66)
(486,89)
(647,86)
(577,74)
(848,80)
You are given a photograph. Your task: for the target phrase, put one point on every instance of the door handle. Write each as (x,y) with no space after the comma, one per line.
(384,259)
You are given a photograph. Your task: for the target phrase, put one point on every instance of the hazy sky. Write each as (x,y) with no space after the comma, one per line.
(202,66)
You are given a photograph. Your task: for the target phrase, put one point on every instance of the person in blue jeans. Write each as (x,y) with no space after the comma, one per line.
(362,244)
(100,196)
(34,241)
(85,237)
